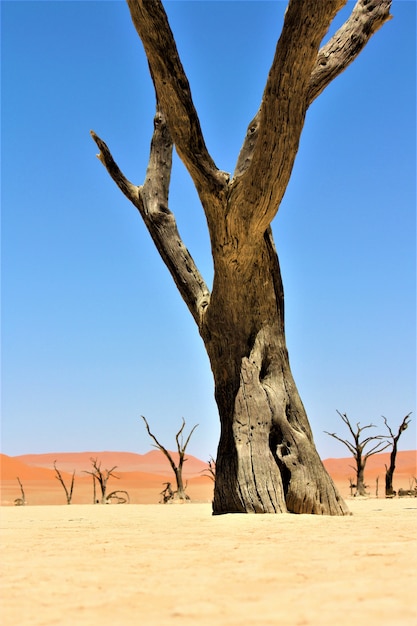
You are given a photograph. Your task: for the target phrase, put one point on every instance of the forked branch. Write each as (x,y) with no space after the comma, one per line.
(277,123)
(68,492)
(346,44)
(174,94)
(151,200)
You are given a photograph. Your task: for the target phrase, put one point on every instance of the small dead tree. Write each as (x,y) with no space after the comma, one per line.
(68,492)
(179,494)
(210,471)
(389,471)
(357,448)
(352,486)
(20,501)
(166,494)
(118,497)
(101,476)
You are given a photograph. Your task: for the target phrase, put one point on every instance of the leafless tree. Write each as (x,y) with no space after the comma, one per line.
(20,501)
(179,494)
(68,492)
(357,448)
(118,497)
(267,461)
(389,471)
(166,494)
(210,471)
(352,486)
(101,476)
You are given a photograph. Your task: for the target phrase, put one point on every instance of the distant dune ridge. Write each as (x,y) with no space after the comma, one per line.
(143,475)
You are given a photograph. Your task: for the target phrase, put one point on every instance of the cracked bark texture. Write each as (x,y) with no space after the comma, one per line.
(266,461)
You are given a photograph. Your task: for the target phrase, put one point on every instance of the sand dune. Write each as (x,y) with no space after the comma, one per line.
(153,462)
(143,475)
(177,564)
(41,486)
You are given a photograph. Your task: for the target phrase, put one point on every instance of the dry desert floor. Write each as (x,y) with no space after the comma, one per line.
(162,565)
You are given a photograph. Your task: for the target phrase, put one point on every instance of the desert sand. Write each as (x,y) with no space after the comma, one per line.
(177,564)
(152,564)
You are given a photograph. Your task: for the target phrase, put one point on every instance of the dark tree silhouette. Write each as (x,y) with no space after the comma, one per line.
(68,492)
(210,471)
(389,471)
(20,501)
(118,497)
(179,494)
(357,448)
(266,461)
(101,476)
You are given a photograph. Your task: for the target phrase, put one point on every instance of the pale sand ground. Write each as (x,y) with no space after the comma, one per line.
(176,564)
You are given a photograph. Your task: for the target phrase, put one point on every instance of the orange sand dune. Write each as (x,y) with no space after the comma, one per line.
(405,468)
(153,462)
(12,467)
(42,487)
(145,485)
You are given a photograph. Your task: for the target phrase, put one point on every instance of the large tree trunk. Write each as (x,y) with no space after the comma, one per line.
(266,461)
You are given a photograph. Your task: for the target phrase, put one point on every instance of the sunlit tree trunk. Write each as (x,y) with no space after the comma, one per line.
(266,460)
(264,428)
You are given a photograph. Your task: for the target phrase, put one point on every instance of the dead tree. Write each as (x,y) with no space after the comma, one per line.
(210,471)
(20,501)
(179,494)
(357,448)
(58,476)
(267,461)
(101,476)
(118,497)
(166,494)
(352,486)
(389,471)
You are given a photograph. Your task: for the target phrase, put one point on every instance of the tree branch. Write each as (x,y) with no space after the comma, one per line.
(282,111)
(344,417)
(159,445)
(403,426)
(189,437)
(174,94)
(344,441)
(105,157)
(389,428)
(151,200)
(331,60)
(376,449)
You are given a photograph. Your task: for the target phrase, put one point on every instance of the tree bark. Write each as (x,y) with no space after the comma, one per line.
(267,460)
(389,471)
(360,476)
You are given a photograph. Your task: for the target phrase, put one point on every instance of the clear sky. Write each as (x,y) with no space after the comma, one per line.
(94,333)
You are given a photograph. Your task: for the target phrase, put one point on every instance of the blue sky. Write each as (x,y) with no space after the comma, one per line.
(94,333)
